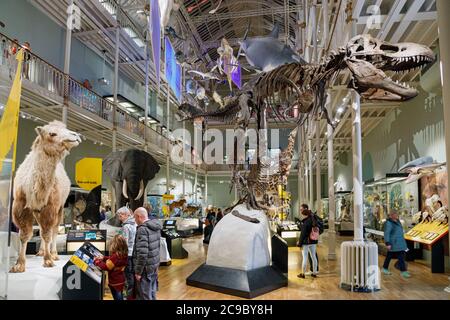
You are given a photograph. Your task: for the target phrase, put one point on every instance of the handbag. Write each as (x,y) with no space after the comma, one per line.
(314,235)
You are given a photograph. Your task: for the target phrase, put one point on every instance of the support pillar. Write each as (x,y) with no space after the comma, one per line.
(443,11)
(67,70)
(332,203)
(357,167)
(115,106)
(196,185)
(318,180)
(147,107)
(299,171)
(167,134)
(310,178)
(206,189)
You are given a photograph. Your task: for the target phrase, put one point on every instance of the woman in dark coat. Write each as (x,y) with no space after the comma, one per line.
(395,243)
(305,242)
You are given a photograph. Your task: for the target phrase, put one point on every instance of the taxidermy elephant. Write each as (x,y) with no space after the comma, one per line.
(130,171)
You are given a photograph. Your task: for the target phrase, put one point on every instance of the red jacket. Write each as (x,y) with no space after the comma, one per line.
(115,265)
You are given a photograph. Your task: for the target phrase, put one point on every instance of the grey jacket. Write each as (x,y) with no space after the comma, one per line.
(129,233)
(146,247)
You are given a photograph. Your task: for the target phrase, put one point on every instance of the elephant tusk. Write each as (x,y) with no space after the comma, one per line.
(124,189)
(141,190)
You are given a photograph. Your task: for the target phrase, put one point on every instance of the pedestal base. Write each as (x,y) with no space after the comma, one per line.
(245,284)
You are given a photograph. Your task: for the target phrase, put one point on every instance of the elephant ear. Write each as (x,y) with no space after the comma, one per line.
(151,167)
(112,166)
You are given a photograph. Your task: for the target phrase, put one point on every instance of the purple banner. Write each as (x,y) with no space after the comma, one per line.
(155,25)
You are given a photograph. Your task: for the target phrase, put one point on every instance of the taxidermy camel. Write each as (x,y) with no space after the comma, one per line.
(41,187)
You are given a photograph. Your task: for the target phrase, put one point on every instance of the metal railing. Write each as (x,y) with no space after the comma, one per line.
(49,77)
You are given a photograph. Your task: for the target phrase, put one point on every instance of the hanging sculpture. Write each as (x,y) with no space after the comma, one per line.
(303,86)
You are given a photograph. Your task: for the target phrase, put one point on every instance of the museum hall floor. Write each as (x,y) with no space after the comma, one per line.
(44,284)
(423,285)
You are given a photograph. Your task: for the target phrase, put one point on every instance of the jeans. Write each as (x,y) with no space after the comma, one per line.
(129,275)
(401,260)
(311,263)
(309,248)
(147,287)
(117,295)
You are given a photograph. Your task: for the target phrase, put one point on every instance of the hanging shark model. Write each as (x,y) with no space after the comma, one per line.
(420,167)
(268,53)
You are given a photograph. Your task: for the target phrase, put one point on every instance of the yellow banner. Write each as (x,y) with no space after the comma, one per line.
(167,197)
(88,173)
(9,124)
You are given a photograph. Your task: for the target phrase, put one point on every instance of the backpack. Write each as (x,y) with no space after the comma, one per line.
(319,223)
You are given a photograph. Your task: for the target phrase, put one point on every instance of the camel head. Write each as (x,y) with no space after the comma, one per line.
(55,139)
(369,58)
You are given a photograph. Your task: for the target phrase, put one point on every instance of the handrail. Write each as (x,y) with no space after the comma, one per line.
(52,78)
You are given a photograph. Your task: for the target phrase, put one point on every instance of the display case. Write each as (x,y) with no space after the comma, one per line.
(344,212)
(386,194)
(324,211)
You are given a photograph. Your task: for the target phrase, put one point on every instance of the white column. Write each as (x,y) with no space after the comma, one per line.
(184,160)
(332,204)
(206,189)
(167,134)
(196,185)
(318,180)
(299,171)
(443,10)
(314,33)
(357,167)
(115,89)
(310,171)
(147,51)
(67,70)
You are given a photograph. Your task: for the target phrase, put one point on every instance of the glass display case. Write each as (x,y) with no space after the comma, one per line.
(344,211)
(386,194)
(324,211)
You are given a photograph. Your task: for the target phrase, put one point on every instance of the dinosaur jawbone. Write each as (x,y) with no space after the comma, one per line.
(369,58)
(373,84)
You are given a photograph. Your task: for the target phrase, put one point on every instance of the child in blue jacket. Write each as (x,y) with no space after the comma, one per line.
(395,243)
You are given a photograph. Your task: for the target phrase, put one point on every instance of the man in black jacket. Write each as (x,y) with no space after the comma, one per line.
(146,255)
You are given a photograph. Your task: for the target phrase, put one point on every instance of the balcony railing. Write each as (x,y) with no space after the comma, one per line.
(49,77)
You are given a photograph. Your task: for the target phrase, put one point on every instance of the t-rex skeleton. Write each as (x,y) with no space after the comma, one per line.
(304,86)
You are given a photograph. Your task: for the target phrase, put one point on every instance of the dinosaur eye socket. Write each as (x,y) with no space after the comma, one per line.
(52,134)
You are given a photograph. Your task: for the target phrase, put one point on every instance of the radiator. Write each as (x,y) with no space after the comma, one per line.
(359,266)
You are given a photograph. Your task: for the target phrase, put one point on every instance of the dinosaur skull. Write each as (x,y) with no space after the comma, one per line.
(368,58)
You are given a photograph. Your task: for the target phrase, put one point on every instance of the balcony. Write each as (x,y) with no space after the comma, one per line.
(43,94)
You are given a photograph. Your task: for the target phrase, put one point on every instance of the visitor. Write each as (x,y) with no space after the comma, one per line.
(209,228)
(395,244)
(308,240)
(115,264)
(146,255)
(219,215)
(26,60)
(12,51)
(108,213)
(102,214)
(129,233)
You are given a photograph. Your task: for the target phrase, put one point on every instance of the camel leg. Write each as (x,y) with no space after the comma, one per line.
(23,218)
(54,250)
(47,220)
(46,238)
(41,247)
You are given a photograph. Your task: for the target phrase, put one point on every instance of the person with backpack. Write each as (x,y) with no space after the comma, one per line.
(321,229)
(309,236)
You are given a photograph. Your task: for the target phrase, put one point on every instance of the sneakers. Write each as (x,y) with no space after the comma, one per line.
(405,274)
(314,275)
(301,275)
(386,272)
